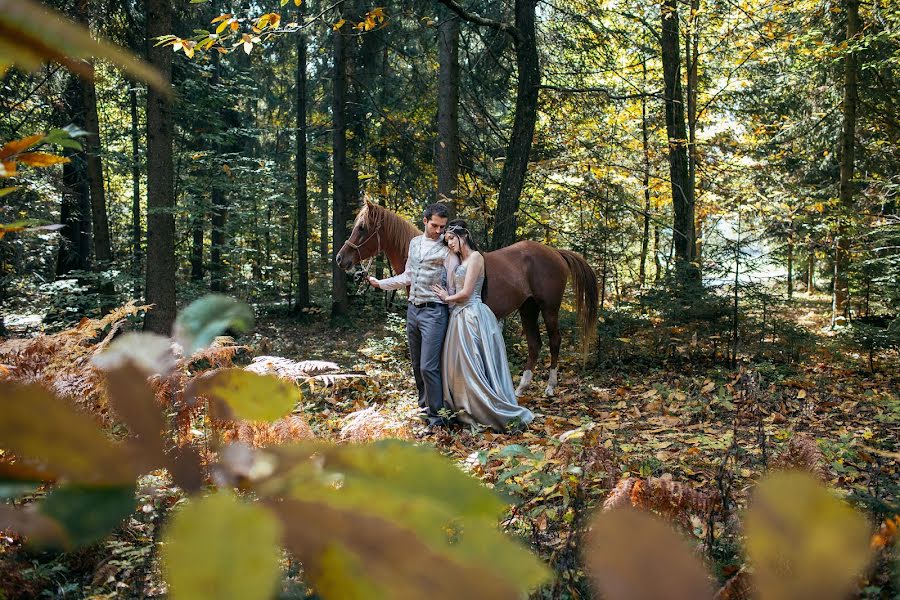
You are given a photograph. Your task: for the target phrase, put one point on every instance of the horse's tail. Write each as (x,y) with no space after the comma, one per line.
(584,284)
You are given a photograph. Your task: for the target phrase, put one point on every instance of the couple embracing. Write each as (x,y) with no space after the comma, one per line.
(455,344)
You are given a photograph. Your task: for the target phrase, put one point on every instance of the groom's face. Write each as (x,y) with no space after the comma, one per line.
(434,226)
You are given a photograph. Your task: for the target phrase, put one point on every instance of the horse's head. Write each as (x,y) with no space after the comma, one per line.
(365,240)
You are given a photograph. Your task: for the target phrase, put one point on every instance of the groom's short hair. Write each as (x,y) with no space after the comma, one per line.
(436,210)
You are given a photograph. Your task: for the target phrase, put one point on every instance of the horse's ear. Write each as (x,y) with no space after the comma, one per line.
(366,201)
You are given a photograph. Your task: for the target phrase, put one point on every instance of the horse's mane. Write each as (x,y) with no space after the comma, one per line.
(396,230)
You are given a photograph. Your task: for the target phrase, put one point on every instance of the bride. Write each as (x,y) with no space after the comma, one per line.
(477,383)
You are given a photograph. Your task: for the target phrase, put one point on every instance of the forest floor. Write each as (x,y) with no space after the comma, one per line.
(683,415)
(674,411)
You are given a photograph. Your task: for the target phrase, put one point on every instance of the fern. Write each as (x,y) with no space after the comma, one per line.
(802,454)
(372,424)
(670,498)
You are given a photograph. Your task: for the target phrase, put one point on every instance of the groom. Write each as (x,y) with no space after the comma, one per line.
(430,262)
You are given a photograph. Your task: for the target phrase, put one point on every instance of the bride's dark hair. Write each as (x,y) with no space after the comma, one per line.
(459,228)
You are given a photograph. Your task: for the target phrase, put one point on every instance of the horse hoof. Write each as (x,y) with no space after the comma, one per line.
(550,391)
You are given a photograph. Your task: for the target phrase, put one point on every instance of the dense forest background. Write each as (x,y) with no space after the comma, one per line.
(728,168)
(567,123)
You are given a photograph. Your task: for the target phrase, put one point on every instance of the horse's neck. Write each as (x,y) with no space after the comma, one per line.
(397,255)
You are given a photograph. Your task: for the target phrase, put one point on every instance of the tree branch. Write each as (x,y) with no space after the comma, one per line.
(479,20)
(597,90)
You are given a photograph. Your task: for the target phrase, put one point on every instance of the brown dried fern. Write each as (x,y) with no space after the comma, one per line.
(62,361)
(672,499)
(372,424)
(802,454)
(282,431)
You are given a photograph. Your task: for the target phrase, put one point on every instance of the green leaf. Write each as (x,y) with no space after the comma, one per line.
(88,514)
(246,395)
(517,450)
(7,190)
(220,548)
(204,319)
(36,425)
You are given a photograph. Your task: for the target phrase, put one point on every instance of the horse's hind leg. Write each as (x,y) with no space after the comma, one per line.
(551,319)
(529,313)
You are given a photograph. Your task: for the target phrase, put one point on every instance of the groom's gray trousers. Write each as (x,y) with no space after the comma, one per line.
(426,326)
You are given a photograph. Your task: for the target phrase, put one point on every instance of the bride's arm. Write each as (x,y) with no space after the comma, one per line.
(473,272)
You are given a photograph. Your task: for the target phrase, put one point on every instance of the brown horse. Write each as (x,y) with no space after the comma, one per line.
(527,276)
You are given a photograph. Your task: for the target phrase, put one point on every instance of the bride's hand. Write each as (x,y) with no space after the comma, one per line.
(441,292)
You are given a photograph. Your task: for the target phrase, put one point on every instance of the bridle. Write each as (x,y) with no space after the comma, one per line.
(376,233)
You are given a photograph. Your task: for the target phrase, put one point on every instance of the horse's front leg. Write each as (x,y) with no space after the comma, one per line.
(529,313)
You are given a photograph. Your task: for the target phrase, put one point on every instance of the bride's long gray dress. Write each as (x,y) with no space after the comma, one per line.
(477,384)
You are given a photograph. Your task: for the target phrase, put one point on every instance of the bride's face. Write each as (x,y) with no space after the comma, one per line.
(452,241)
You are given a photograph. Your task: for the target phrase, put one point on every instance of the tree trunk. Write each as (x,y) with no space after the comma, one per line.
(75,234)
(447,150)
(302,191)
(160,179)
(219,207)
(790,263)
(343,169)
(324,221)
(135,194)
(691,55)
(841,292)
(197,247)
(75,208)
(645,140)
(516,166)
(682,192)
(99,219)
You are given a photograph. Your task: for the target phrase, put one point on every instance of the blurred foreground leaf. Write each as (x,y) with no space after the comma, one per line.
(88,514)
(205,319)
(443,521)
(802,541)
(37,426)
(633,555)
(220,548)
(31,34)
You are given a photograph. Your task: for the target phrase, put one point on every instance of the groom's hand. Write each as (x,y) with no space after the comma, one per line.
(374,282)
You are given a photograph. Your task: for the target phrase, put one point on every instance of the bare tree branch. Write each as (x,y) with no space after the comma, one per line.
(479,20)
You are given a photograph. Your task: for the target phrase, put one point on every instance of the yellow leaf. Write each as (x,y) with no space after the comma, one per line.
(222,26)
(339,24)
(263,21)
(16,146)
(801,394)
(795,526)
(33,34)
(249,396)
(41,159)
(234,25)
(224,17)
(298,2)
